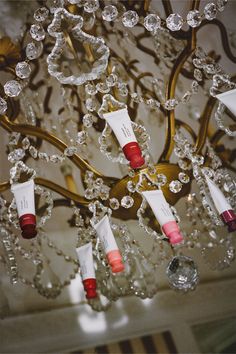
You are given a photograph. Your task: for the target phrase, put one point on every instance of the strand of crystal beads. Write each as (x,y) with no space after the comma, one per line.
(9,257)
(143,225)
(220,121)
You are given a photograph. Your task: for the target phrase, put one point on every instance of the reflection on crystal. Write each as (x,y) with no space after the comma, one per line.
(182,273)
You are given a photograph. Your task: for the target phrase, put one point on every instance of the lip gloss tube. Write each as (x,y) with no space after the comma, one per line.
(24,196)
(105,234)
(164,216)
(85,257)
(120,123)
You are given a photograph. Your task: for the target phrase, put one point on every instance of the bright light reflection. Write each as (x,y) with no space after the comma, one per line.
(92,322)
(76,290)
(147,302)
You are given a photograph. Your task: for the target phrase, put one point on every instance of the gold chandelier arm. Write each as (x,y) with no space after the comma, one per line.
(26,129)
(186,127)
(170,91)
(54,187)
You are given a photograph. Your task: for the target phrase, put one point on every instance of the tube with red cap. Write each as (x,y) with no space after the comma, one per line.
(24,196)
(163,213)
(222,206)
(85,257)
(105,234)
(120,123)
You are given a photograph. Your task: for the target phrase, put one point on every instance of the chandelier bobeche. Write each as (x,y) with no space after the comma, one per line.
(80,88)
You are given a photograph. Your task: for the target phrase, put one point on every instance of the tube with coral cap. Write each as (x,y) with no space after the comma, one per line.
(24,196)
(120,123)
(85,257)
(229,100)
(163,213)
(222,206)
(105,234)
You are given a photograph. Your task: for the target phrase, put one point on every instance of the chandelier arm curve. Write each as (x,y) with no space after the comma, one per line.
(187,127)
(26,129)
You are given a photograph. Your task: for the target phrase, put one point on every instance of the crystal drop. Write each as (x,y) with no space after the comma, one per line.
(179,152)
(41,14)
(34,50)
(88,176)
(25,143)
(183,177)
(43,156)
(130,18)
(161,179)
(152,22)
(16,155)
(198,159)
(111,80)
(37,32)
(194,87)
(90,89)
(3,106)
(114,203)
(102,87)
(127,202)
(56,158)
(186,97)
(90,104)
(131,186)
(194,18)
(221,5)
(175,186)
(81,137)
(171,104)
(70,151)
(198,74)
(210,11)
(182,273)
(104,192)
(88,120)
(33,152)
(91,6)
(109,13)
(12,88)
(208,172)
(174,22)
(23,70)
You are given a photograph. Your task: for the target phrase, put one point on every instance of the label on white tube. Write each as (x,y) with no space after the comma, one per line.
(159,206)
(218,197)
(105,234)
(120,123)
(24,196)
(85,257)
(229,100)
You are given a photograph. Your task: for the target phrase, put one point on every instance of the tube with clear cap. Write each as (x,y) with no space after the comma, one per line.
(105,234)
(163,213)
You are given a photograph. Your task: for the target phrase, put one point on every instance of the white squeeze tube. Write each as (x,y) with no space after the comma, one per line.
(120,123)
(85,257)
(163,214)
(229,100)
(105,234)
(222,206)
(24,196)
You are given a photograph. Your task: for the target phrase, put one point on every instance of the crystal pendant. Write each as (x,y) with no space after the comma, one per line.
(152,22)
(12,88)
(182,273)
(3,106)
(194,18)
(175,186)
(34,50)
(127,202)
(16,155)
(37,32)
(64,21)
(174,22)
(130,18)
(210,11)
(23,70)
(109,13)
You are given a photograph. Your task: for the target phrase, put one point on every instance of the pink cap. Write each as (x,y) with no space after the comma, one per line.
(133,153)
(172,231)
(28,226)
(115,260)
(229,218)
(90,286)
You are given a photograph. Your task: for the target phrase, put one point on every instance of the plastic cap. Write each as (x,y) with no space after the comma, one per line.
(133,153)
(90,286)
(172,231)
(115,260)
(229,218)
(28,226)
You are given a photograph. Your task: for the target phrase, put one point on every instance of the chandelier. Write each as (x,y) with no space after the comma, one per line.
(102,83)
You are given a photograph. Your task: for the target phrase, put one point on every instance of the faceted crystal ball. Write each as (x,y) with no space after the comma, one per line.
(182,273)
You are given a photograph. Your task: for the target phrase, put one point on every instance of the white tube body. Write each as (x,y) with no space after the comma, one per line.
(24,196)
(229,100)
(120,123)
(105,234)
(159,206)
(218,197)
(85,257)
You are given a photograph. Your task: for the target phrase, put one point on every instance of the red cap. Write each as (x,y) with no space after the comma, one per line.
(90,287)
(172,231)
(28,226)
(133,153)
(229,218)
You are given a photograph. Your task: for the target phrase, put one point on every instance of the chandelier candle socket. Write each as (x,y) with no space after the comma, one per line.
(105,234)
(121,125)
(24,196)
(85,257)
(228,98)
(163,214)
(222,206)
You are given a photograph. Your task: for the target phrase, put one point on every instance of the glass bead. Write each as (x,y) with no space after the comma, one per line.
(210,11)
(174,22)
(194,18)
(109,13)
(12,88)
(152,22)
(130,18)
(41,14)
(37,32)
(23,70)
(3,105)
(175,186)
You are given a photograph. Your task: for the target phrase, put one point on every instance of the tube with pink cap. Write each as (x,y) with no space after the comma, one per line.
(164,216)
(105,234)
